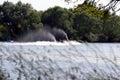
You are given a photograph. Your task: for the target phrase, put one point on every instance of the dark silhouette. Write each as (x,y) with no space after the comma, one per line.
(59,34)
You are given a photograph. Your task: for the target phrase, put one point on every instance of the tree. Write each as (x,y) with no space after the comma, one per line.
(111,5)
(87,27)
(112,29)
(4,35)
(91,9)
(86,21)
(18,19)
(60,18)
(6,19)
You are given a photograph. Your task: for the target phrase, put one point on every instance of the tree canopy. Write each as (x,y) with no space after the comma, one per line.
(16,19)
(86,22)
(110,4)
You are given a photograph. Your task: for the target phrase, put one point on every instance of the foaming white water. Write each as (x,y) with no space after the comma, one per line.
(42,43)
(32,57)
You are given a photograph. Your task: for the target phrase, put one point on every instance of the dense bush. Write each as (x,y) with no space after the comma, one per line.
(85,22)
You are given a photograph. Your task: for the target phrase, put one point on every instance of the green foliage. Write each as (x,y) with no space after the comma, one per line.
(86,25)
(85,22)
(17,19)
(112,29)
(59,17)
(90,8)
(95,24)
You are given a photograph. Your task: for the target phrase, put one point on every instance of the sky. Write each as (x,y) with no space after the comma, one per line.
(45,4)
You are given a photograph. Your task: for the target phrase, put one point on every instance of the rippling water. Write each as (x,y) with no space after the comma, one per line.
(86,56)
